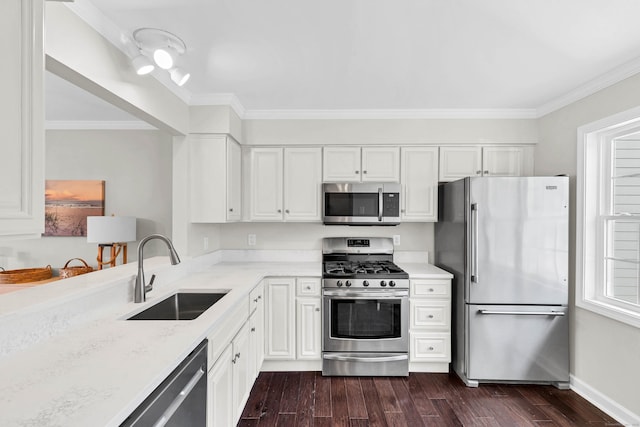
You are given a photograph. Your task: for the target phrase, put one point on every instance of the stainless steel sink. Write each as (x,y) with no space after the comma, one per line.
(180,306)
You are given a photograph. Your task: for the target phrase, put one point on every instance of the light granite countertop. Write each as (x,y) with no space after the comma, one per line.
(96,372)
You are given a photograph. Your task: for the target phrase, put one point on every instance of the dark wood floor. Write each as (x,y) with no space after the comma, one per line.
(309,399)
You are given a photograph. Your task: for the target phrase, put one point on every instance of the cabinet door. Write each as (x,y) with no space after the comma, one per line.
(419,183)
(381,164)
(256,339)
(302,184)
(460,162)
(234,181)
(241,379)
(266,184)
(503,161)
(280,318)
(220,391)
(207,178)
(309,326)
(341,164)
(22,119)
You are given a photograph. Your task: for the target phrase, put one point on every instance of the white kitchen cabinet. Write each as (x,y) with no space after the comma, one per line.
(460,162)
(22,119)
(308,319)
(285,184)
(280,318)
(430,325)
(266,184)
(220,405)
(302,184)
(361,164)
(242,381)
(419,179)
(256,325)
(215,181)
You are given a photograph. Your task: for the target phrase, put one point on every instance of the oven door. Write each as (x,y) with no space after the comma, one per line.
(365,320)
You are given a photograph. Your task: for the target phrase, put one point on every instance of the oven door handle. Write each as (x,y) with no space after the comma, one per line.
(380,202)
(361,358)
(387,294)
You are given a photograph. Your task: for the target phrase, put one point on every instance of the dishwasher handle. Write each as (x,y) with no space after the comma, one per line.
(529,313)
(173,406)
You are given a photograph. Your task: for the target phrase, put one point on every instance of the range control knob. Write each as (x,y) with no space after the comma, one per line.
(365,283)
(348,283)
(383,283)
(339,283)
(392,283)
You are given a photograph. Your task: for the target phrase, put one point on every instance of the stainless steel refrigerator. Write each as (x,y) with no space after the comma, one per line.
(505,240)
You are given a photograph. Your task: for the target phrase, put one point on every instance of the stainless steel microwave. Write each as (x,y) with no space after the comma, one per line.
(361,204)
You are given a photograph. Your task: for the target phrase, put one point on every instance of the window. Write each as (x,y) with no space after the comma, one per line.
(608,217)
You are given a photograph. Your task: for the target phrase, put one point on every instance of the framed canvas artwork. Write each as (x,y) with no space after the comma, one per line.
(68,203)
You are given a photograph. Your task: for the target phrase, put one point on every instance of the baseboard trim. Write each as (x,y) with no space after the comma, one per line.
(604,403)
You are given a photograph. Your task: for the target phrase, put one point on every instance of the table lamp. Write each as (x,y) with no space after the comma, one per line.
(111,232)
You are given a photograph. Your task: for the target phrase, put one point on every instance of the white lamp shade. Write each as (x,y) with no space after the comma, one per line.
(111,229)
(163,58)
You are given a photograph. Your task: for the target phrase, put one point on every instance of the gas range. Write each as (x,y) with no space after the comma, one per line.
(361,263)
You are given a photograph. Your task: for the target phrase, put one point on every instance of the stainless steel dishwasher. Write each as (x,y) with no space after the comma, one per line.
(181,399)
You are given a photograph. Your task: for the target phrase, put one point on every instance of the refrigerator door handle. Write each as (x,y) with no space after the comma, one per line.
(474,243)
(530,313)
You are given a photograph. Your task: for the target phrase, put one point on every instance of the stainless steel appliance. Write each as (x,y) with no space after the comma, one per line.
(505,240)
(365,308)
(361,204)
(181,399)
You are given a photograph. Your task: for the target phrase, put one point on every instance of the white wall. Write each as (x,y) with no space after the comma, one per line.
(604,353)
(136,166)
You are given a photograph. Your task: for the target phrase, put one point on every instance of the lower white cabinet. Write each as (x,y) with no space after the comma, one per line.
(430,325)
(293,319)
(220,391)
(256,331)
(229,381)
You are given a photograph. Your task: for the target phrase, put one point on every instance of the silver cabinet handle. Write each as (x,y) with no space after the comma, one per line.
(474,243)
(230,209)
(173,406)
(286,210)
(478,172)
(279,210)
(318,309)
(364,171)
(357,172)
(486,172)
(529,313)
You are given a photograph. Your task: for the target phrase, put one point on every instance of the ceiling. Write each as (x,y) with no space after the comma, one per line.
(386,55)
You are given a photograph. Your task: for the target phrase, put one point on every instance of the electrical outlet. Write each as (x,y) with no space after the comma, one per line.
(251,239)
(205,242)
(396,240)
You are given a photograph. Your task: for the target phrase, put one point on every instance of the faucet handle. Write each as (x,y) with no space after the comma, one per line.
(149,287)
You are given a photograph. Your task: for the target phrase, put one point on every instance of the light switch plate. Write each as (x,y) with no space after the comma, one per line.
(396,240)
(251,239)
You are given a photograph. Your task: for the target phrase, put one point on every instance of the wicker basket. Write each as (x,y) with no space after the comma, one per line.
(25,275)
(67,271)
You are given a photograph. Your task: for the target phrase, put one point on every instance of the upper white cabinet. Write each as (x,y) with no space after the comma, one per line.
(285,184)
(215,163)
(22,119)
(460,162)
(419,181)
(361,164)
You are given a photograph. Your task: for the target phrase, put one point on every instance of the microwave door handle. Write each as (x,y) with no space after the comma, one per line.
(380,200)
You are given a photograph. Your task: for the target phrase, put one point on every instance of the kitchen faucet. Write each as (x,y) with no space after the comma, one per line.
(141,289)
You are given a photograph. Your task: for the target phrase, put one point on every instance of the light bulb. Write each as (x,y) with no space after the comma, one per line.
(163,58)
(142,65)
(179,76)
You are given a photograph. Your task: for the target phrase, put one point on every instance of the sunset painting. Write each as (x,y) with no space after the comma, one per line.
(67,205)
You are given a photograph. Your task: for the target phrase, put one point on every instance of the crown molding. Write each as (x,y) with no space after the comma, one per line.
(603,81)
(381,114)
(229,99)
(97,125)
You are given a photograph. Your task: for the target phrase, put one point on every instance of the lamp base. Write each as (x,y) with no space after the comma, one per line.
(116,248)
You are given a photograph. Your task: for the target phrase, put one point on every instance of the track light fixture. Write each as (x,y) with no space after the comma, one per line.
(165,48)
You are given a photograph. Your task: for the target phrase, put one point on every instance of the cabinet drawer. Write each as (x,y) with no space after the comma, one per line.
(430,314)
(308,286)
(430,347)
(256,297)
(431,288)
